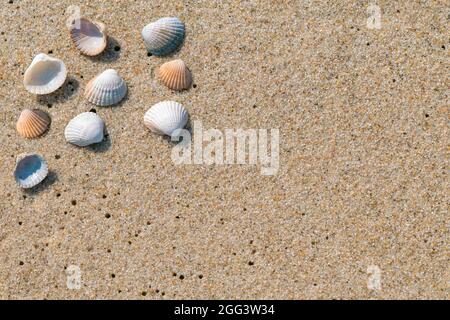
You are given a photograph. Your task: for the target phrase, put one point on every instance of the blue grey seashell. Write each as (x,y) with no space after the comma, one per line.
(31,169)
(163,36)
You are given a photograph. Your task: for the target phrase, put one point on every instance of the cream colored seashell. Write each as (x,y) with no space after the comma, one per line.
(85,129)
(32,123)
(163,36)
(175,75)
(44,75)
(165,117)
(106,89)
(88,36)
(31,169)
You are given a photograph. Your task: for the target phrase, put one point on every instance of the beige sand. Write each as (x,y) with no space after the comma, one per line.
(362,181)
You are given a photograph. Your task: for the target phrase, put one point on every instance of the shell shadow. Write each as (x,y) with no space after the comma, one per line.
(103,146)
(111,52)
(51,178)
(68,89)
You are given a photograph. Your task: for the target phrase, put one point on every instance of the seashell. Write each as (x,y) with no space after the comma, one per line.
(165,117)
(105,89)
(44,75)
(175,75)
(163,36)
(32,123)
(31,169)
(85,129)
(88,36)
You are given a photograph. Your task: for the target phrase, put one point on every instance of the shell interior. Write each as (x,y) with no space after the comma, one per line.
(30,170)
(163,36)
(44,75)
(88,36)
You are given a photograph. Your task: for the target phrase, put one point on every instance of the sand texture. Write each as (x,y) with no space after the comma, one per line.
(362,185)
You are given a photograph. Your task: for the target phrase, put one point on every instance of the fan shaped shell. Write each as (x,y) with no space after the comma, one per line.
(85,129)
(165,117)
(106,89)
(88,36)
(175,75)
(163,36)
(32,123)
(44,75)
(31,169)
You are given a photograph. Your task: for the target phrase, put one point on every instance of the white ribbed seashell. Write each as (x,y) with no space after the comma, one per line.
(105,89)
(85,129)
(175,75)
(88,36)
(44,75)
(165,117)
(31,169)
(163,36)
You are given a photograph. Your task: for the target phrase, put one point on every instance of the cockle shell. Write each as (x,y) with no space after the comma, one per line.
(163,36)
(31,169)
(44,75)
(175,75)
(105,89)
(165,117)
(32,123)
(85,129)
(88,36)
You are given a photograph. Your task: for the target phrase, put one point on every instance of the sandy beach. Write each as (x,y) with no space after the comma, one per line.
(358,205)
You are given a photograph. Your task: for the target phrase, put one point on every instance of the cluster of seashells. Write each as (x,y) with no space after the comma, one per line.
(46,74)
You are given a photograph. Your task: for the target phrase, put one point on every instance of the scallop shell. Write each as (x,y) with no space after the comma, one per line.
(88,36)
(31,169)
(163,36)
(165,117)
(85,129)
(44,75)
(106,89)
(175,75)
(32,123)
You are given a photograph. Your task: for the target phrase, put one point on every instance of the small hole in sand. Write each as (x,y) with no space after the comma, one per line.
(74,202)
(107,216)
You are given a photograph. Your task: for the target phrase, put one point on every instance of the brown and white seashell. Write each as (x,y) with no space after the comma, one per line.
(175,75)
(88,36)
(32,123)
